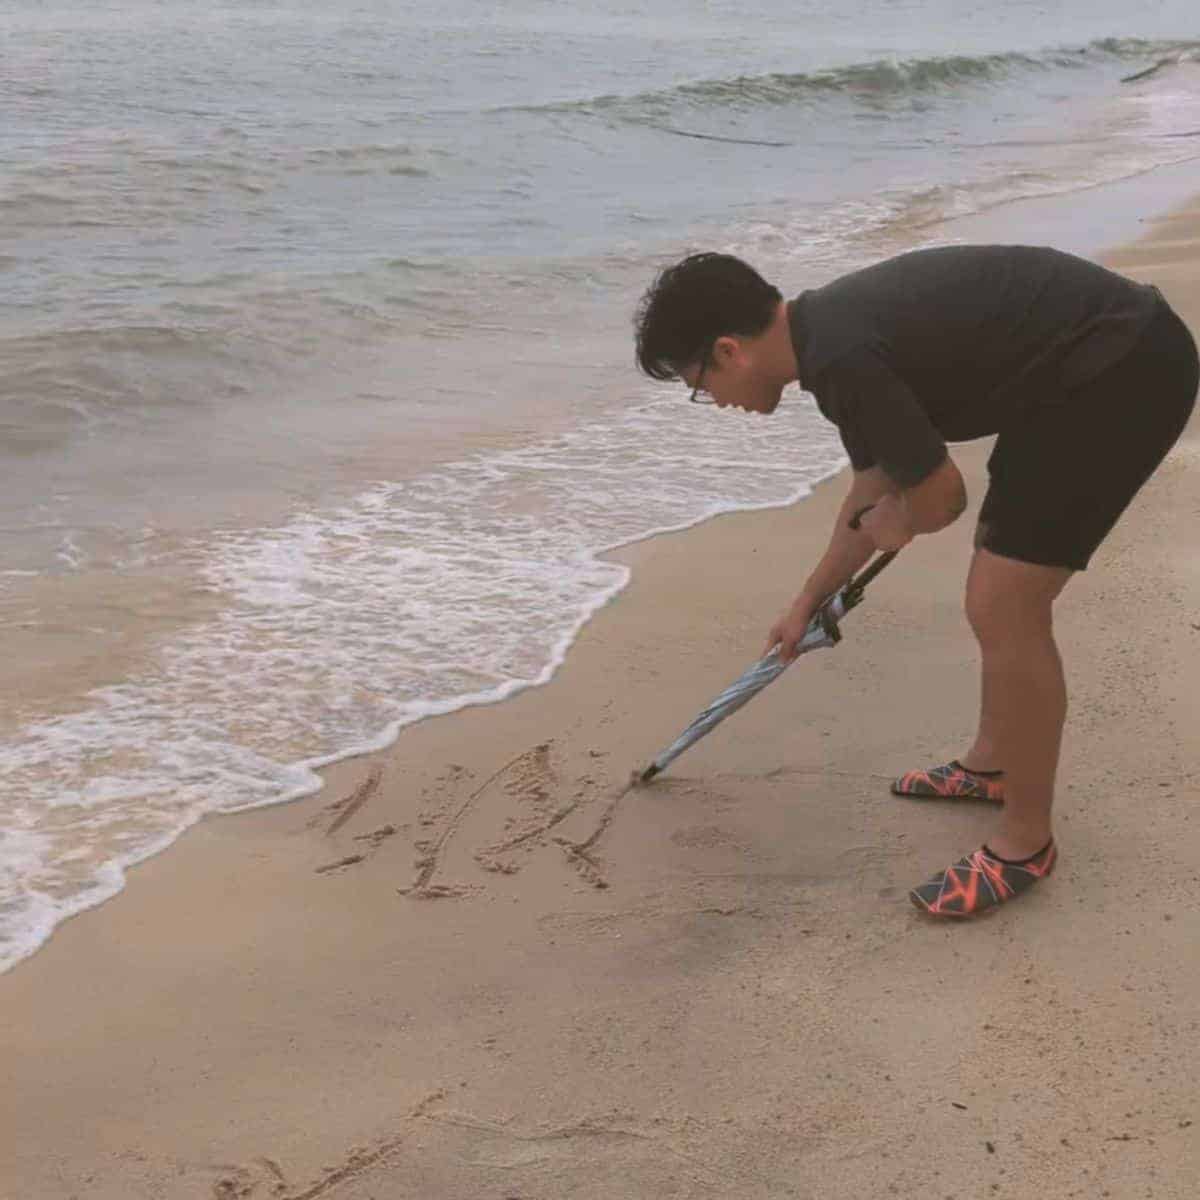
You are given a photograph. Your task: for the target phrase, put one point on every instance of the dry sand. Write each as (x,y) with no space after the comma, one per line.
(409,987)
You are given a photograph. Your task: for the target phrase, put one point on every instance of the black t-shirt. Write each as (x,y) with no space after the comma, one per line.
(949,344)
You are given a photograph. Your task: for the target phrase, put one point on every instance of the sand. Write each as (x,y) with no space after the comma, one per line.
(412,985)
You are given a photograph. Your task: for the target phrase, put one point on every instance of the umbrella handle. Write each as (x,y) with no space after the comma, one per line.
(852,592)
(860,581)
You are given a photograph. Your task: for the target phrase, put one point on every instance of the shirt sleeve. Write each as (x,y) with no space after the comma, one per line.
(880,420)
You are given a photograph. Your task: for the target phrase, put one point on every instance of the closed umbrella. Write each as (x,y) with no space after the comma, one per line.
(822,631)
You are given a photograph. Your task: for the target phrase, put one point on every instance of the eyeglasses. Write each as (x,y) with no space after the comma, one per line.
(697,397)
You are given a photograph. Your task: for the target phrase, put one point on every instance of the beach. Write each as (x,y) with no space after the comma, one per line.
(478,965)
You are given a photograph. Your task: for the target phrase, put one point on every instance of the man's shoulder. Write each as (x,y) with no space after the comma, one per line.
(961,260)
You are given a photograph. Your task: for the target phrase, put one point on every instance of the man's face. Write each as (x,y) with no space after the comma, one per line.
(729,378)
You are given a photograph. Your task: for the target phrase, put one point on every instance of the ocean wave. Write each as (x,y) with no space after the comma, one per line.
(352,159)
(70,380)
(873,80)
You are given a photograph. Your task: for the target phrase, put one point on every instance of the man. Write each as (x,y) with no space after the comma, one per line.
(1087,377)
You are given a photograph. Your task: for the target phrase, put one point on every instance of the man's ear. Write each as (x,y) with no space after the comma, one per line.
(728,351)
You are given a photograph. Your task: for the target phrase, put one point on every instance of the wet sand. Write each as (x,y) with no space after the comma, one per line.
(416,985)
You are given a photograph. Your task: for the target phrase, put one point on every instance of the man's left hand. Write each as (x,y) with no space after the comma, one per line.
(887,524)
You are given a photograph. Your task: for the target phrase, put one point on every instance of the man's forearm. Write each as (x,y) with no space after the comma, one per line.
(848,549)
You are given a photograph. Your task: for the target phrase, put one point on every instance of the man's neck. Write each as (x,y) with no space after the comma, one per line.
(780,354)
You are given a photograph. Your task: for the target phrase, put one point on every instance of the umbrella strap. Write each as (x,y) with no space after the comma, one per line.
(829,625)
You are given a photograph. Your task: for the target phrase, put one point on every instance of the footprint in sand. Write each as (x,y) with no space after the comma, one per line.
(709,837)
(263,1177)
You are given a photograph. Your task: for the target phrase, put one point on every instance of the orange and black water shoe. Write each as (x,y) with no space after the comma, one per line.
(982,881)
(951,782)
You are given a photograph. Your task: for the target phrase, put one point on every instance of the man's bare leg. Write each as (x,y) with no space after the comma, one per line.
(983,755)
(1024,697)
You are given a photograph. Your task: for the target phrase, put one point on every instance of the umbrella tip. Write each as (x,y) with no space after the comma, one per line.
(640,777)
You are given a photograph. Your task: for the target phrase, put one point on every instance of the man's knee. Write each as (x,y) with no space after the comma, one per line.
(1010,600)
(990,615)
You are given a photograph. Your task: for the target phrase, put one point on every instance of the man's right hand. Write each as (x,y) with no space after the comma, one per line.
(789,630)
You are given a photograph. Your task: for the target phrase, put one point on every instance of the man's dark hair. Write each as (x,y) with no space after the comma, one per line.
(691,304)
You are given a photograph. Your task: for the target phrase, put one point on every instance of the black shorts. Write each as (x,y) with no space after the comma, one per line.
(1062,473)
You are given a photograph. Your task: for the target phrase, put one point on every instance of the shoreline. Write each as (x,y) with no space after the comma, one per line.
(730,853)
